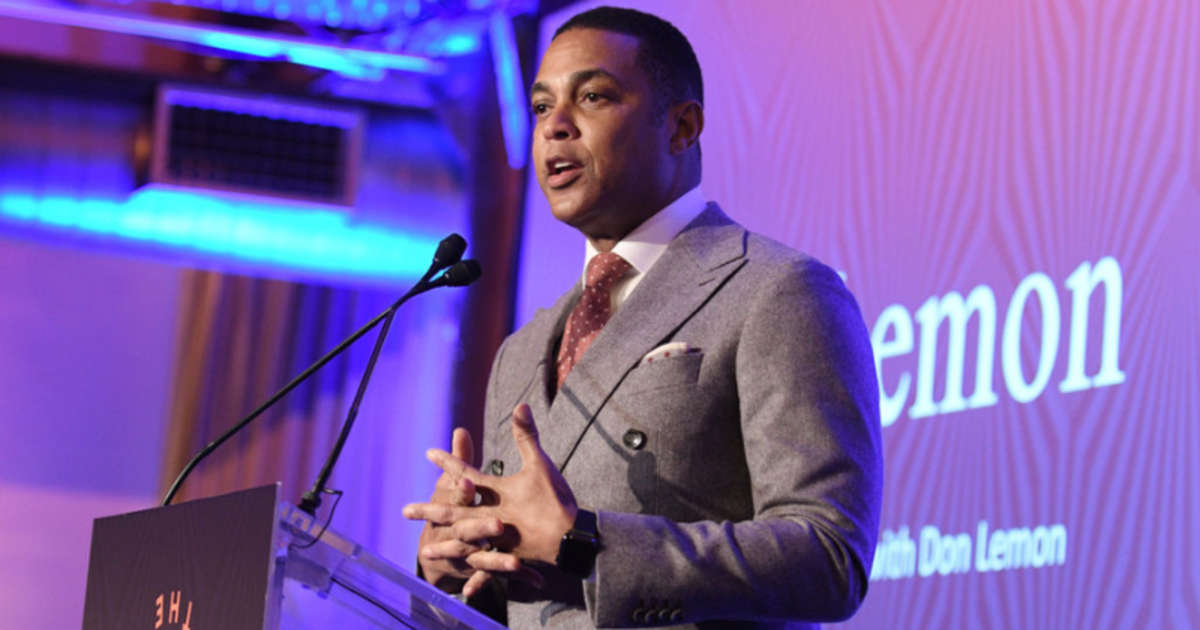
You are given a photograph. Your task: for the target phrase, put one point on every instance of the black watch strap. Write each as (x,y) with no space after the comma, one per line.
(579,546)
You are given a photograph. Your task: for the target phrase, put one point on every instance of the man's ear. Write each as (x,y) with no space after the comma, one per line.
(687,120)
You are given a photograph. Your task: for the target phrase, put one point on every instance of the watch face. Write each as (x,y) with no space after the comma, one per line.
(578,548)
(576,556)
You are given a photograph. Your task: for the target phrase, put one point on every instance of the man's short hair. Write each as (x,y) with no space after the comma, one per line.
(664,54)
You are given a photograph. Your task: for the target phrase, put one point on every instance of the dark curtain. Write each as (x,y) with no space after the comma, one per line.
(240,339)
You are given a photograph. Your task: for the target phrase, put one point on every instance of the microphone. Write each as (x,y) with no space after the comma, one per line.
(459,274)
(449,251)
(448,254)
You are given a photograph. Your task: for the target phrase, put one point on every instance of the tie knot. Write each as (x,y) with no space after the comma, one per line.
(606,268)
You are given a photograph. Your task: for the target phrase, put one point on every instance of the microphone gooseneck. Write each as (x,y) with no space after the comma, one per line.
(449,253)
(461,273)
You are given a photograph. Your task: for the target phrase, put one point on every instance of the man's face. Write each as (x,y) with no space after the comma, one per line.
(601,160)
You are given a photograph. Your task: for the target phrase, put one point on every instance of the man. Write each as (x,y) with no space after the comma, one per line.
(706,444)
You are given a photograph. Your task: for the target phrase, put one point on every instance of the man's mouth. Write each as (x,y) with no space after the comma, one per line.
(561,173)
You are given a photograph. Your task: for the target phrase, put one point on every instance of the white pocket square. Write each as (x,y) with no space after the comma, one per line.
(667,350)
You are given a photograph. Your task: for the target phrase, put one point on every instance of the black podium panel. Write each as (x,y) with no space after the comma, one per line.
(201,564)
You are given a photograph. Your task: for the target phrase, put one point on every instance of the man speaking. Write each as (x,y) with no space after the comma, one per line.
(691,433)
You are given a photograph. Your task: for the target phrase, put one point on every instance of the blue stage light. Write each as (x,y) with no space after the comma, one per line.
(458,44)
(304,239)
(256,46)
(510,90)
(328,60)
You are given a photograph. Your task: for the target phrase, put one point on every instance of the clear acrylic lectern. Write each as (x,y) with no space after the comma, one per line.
(248,560)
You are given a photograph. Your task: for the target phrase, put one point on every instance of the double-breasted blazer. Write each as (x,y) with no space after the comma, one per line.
(740,480)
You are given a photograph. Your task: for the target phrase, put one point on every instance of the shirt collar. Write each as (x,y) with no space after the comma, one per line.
(646,243)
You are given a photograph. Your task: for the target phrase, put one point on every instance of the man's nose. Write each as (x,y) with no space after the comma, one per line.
(559,124)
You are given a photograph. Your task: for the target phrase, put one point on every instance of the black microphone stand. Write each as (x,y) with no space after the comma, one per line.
(449,251)
(460,274)
(312,499)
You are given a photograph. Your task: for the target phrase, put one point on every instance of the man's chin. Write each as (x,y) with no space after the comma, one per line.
(568,209)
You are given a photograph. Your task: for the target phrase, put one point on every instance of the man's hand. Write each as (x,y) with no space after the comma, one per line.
(535,506)
(448,569)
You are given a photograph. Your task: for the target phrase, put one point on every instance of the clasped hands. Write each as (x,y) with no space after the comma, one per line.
(518,520)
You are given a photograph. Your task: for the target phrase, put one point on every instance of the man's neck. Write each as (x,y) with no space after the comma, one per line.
(604,244)
(683,183)
(657,230)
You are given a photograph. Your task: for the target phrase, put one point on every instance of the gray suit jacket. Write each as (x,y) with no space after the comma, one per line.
(755,494)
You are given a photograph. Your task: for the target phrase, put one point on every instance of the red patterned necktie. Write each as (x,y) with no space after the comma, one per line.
(592,311)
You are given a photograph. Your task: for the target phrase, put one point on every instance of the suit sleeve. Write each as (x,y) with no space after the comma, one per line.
(809,414)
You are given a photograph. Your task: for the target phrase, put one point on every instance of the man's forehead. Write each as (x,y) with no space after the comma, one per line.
(585,50)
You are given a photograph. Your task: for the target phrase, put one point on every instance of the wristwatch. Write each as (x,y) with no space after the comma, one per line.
(579,546)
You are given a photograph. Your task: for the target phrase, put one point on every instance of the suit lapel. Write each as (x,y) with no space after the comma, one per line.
(542,333)
(693,267)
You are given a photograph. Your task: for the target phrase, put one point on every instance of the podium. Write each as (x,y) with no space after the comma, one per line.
(248,560)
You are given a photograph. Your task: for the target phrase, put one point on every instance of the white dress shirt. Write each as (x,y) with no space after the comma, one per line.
(646,243)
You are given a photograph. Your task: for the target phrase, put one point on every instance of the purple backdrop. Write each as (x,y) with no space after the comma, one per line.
(87,345)
(1011,191)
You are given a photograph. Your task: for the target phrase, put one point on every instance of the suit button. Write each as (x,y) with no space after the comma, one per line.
(496,467)
(634,439)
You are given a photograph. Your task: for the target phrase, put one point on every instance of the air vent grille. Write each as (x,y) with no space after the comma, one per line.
(256,144)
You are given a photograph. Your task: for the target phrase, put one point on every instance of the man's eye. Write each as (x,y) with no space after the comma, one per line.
(593,97)
(540,108)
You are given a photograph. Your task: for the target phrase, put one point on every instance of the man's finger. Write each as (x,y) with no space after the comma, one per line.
(474,529)
(494,561)
(436,513)
(452,465)
(497,562)
(475,582)
(463,492)
(453,549)
(525,434)
(461,445)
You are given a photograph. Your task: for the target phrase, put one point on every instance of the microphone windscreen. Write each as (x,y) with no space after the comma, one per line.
(449,251)
(462,273)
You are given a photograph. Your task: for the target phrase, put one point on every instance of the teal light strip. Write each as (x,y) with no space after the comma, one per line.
(306,239)
(353,62)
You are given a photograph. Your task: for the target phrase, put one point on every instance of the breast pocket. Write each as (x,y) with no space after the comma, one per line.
(667,373)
